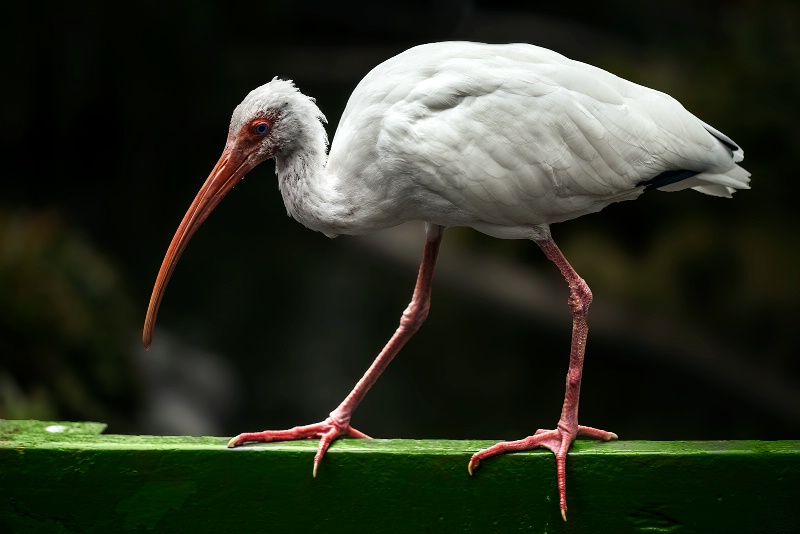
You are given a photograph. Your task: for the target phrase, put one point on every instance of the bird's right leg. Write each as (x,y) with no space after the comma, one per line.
(338,423)
(560,439)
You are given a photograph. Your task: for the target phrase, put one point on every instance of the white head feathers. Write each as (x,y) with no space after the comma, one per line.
(296,119)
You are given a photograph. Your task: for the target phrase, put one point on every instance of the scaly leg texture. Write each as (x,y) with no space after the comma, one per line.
(338,424)
(560,439)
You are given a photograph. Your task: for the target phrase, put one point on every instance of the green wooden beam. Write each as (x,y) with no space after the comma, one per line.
(68,477)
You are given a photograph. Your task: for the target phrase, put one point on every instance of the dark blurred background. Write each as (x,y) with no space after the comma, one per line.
(113,117)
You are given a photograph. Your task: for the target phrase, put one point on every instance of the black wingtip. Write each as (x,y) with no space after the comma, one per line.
(667,178)
(725,141)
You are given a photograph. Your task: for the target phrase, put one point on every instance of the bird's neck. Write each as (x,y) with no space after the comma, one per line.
(309,196)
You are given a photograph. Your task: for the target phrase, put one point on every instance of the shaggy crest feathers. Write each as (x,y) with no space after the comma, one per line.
(297,121)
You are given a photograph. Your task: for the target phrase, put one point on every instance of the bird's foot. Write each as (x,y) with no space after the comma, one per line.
(327,431)
(558,441)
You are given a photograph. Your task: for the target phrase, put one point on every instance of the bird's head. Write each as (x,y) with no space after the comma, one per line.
(273,121)
(276,120)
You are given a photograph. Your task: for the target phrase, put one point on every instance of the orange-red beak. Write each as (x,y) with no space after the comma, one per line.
(232,166)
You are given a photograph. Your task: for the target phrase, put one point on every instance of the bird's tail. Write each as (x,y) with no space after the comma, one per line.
(718,184)
(723,184)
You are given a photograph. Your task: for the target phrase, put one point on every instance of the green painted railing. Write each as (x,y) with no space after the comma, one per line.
(68,477)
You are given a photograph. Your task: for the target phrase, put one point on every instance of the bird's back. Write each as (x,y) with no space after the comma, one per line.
(507,137)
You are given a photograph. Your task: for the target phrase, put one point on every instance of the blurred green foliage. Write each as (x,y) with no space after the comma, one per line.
(65,324)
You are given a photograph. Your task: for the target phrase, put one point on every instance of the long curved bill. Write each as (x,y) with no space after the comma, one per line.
(232,166)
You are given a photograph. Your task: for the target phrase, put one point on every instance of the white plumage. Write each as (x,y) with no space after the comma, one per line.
(506,139)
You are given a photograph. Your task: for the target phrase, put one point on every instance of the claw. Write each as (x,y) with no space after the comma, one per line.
(472,465)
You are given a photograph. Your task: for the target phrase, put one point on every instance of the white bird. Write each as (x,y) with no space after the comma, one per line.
(506,139)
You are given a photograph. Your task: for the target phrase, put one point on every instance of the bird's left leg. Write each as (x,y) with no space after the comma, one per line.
(338,423)
(560,439)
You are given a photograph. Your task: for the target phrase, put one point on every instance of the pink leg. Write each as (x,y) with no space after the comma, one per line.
(559,440)
(338,424)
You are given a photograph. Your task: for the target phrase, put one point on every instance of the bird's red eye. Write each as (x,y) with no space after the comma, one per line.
(260,128)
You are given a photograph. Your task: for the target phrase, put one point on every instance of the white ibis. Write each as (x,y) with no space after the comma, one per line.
(506,139)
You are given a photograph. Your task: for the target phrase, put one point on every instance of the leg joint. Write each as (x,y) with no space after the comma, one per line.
(580,297)
(415,315)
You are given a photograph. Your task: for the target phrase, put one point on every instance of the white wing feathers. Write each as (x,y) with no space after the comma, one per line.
(520,135)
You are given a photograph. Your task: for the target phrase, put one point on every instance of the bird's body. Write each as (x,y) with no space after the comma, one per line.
(506,139)
(501,138)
